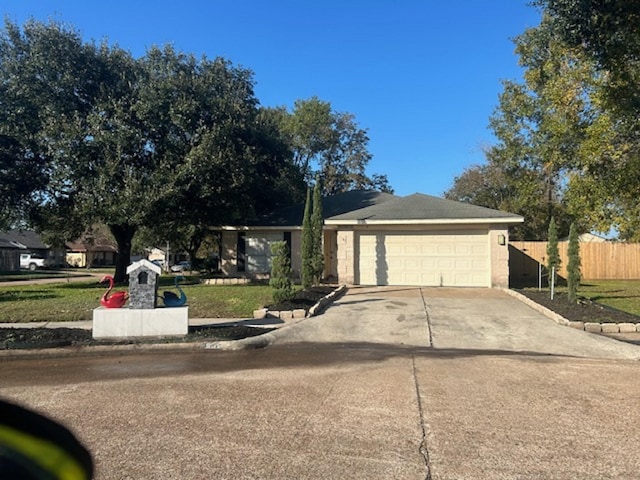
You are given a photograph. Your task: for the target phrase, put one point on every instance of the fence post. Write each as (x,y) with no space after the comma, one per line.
(539,277)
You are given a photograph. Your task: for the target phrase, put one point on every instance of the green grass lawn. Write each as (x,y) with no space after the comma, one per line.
(76,301)
(620,294)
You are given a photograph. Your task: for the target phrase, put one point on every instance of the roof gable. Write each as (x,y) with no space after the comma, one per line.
(144,265)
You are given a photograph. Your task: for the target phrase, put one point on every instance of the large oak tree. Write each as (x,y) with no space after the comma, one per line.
(167,141)
(330,144)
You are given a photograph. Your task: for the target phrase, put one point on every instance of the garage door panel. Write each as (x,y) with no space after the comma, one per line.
(430,259)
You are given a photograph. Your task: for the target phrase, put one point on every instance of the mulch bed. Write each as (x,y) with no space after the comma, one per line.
(26,338)
(583,311)
(304,299)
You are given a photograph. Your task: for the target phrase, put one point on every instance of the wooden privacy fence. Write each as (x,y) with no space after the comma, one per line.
(599,260)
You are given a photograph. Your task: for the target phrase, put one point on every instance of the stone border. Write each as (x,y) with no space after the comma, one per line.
(225,281)
(592,327)
(300,313)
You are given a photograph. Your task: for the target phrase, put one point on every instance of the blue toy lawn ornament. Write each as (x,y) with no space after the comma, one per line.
(170,299)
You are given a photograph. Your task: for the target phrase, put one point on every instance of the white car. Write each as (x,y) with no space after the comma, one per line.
(32,261)
(181,267)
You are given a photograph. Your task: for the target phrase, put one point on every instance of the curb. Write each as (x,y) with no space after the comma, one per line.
(591,327)
(87,350)
(250,343)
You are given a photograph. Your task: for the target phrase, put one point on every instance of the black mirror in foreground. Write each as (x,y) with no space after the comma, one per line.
(34,447)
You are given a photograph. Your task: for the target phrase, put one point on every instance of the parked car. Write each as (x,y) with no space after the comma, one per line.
(32,261)
(181,267)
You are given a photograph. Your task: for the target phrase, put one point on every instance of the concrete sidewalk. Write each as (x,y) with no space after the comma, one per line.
(193,322)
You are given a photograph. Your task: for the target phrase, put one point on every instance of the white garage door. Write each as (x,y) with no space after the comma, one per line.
(448,259)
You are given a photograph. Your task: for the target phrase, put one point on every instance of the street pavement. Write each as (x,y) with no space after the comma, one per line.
(389,383)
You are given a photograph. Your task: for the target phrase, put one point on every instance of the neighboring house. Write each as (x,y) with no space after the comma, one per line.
(81,254)
(588,238)
(28,241)
(373,238)
(9,257)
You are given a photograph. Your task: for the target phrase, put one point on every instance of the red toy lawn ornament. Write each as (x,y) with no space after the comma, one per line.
(117,300)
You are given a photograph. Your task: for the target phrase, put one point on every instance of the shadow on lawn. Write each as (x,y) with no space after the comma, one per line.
(27,295)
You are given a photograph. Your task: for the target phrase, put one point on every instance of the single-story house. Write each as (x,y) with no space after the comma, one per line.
(81,254)
(28,241)
(373,238)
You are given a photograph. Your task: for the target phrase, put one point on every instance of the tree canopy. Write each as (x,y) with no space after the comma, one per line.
(329,144)
(566,145)
(167,143)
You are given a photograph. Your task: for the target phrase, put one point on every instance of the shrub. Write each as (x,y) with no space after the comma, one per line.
(280,280)
(573,265)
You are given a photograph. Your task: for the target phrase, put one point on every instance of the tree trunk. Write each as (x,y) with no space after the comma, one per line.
(123,235)
(194,243)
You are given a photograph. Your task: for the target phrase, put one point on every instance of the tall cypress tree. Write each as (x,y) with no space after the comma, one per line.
(573,265)
(307,244)
(316,228)
(553,254)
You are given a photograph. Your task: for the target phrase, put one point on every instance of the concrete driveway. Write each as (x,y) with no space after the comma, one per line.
(449,319)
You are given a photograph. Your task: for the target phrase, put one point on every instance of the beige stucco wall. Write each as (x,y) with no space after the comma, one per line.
(75,259)
(346,257)
(229,253)
(499,257)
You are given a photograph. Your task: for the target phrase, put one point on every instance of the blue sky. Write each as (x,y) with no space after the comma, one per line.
(422,76)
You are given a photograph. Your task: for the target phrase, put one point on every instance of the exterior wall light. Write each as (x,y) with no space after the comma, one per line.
(502,239)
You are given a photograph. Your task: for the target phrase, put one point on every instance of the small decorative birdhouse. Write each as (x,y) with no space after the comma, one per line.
(143,284)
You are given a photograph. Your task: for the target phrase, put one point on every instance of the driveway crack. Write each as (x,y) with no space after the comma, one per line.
(424,450)
(428,319)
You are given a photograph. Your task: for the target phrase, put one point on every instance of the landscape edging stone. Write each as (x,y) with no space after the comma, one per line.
(299,313)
